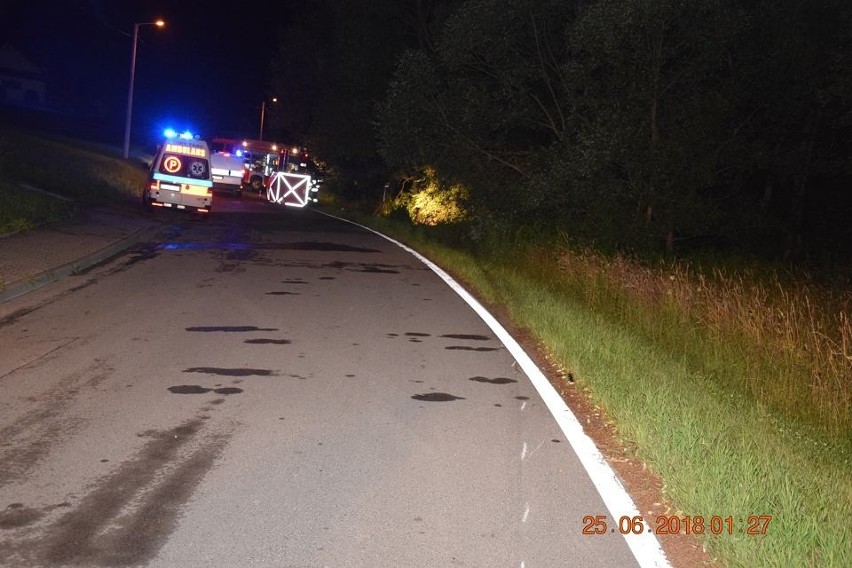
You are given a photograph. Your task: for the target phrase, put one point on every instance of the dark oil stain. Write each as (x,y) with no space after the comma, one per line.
(226,267)
(188,389)
(328,278)
(228,390)
(467,336)
(416,334)
(350,375)
(141,253)
(231,372)
(240,254)
(555,441)
(436,397)
(323,246)
(415,341)
(217,401)
(282,293)
(230,328)
(371,269)
(466,348)
(17,515)
(294,281)
(393,335)
(499,405)
(522,398)
(263,341)
(495,381)
(104,460)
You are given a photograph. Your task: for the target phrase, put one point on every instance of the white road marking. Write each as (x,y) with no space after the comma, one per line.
(645,547)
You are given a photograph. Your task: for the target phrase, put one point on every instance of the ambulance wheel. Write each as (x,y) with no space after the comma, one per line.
(257,184)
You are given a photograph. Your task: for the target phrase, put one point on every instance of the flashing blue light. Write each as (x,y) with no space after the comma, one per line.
(172,133)
(239,153)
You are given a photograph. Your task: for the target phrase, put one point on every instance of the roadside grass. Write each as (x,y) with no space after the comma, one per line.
(80,172)
(733,387)
(21,210)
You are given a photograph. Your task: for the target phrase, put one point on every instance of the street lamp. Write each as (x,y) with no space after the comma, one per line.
(159,24)
(263,114)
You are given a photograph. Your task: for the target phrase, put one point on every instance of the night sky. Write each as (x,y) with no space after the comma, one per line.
(206,70)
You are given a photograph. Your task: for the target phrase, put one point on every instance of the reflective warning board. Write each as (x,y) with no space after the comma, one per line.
(289,189)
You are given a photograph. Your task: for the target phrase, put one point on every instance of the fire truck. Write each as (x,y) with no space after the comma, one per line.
(260,159)
(285,173)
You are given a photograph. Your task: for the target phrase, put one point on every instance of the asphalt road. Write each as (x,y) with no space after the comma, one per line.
(275,387)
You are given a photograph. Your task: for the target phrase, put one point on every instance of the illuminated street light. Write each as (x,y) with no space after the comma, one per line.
(263,114)
(159,24)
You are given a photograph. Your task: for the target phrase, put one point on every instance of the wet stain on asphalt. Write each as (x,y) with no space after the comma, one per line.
(415,334)
(230,328)
(294,281)
(198,389)
(17,515)
(328,278)
(467,336)
(466,348)
(130,513)
(322,246)
(141,253)
(437,397)
(495,381)
(372,269)
(263,341)
(228,390)
(282,293)
(238,372)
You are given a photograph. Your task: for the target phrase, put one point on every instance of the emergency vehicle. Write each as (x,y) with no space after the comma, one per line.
(227,169)
(260,159)
(180,176)
(285,173)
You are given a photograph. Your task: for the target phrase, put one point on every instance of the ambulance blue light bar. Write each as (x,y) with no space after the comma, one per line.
(172,133)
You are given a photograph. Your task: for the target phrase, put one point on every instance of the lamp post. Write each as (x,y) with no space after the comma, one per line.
(263,114)
(159,24)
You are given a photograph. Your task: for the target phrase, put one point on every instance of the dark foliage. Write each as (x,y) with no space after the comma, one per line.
(652,126)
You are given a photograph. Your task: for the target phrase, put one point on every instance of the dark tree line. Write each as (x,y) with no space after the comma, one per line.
(652,124)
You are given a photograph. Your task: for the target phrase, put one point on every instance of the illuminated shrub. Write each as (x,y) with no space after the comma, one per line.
(429,202)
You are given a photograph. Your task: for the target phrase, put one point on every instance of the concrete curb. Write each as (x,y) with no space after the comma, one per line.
(52,275)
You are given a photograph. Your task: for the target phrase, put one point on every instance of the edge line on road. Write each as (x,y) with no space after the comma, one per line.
(645,547)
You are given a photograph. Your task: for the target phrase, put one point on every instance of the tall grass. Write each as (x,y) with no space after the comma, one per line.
(731,384)
(787,343)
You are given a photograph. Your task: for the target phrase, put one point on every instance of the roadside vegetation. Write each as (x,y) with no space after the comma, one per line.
(732,382)
(43,179)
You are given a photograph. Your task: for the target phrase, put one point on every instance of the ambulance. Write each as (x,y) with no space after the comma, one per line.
(180,176)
